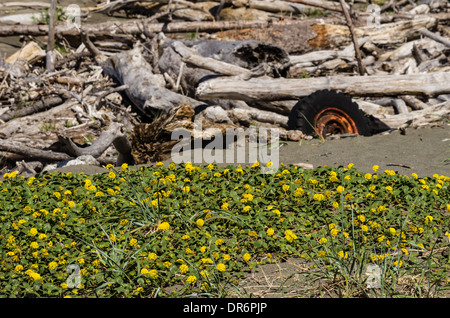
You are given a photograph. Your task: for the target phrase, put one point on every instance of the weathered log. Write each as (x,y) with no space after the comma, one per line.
(417,118)
(285,89)
(248,115)
(310,34)
(31,52)
(291,6)
(436,37)
(348,18)
(191,56)
(33,108)
(28,152)
(113,135)
(51,53)
(135,27)
(146,90)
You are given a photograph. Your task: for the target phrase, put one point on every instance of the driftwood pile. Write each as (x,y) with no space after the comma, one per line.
(115,91)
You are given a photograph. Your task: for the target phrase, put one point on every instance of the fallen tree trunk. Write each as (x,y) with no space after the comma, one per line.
(146,90)
(113,135)
(270,89)
(246,116)
(21,149)
(417,118)
(134,27)
(192,57)
(292,6)
(33,108)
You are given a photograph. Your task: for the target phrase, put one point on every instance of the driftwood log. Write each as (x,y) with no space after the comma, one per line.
(134,27)
(417,118)
(268,89)
(146,90)
(113,135)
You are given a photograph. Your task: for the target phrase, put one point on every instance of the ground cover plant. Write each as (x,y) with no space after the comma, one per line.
(138,232)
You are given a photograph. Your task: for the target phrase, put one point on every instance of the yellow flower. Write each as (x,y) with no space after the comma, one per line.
(33,231)
(289,235)
(160,164)
(448,208)
(191,279)
(153,274)
(124,166)
(270,231)
(298,192)
(219,242)
(398,264)
(184,268)
(335,205)
(52,265)
(375,168)
(428,219)
(333,179)
(334,232)
(18,268)
(225,206)
(392,230)
(269,164)
(285,187)
(200,222)
(164,226)
(255,164)
(367,176)
(186,189)
(246,208)
(206,261)
(364,228)
(133,242)
(318,197)
(111,175)
(152,256)
(341,254)
(414,175)
(246,257)
(34,245)
(340,189)
(323,240)
(389,172)
(362,218)
(221,267)
(389,188)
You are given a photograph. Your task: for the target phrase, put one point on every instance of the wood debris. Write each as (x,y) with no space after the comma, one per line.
(114,88)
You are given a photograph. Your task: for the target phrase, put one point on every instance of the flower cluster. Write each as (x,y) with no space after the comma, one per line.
(132,231)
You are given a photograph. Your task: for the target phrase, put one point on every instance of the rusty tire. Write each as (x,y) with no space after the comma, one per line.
(328,112)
